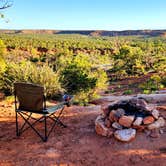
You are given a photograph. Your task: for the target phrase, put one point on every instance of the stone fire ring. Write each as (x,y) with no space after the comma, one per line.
(124,118)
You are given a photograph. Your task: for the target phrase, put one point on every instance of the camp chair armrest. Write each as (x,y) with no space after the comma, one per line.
(55,108)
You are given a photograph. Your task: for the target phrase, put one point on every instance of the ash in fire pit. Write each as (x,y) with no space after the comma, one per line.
(136,107)
(123,118)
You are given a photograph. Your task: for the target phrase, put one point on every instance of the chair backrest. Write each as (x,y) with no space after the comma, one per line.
(30,96)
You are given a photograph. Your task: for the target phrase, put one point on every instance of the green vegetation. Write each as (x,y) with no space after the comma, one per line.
(79,64)
(155,82)
(127,92)
(29,72)
(2,58)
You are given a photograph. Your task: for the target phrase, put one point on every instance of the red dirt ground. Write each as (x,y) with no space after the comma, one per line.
(78,144)
(129,83)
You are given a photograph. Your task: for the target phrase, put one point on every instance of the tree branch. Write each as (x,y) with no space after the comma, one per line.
(5,4)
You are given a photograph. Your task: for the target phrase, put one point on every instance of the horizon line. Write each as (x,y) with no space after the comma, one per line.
(160,29)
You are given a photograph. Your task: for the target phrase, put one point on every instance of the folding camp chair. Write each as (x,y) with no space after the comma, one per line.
(30,100)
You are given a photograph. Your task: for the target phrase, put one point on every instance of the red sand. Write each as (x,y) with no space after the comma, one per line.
(76,145)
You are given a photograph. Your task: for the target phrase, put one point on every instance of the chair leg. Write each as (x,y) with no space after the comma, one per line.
(45,135)
(60,122)
(21,130)
(57,118)
(44,138)
(45,126)
(17,130)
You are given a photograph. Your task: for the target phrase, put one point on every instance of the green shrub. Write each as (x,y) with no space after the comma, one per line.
(81,79)
(2,48)
(128,92)
(2,65)
(163,81)
(146,91)
(152,84)
(2,60)
(75,80)
(128,61)
(29,72)
(148,85)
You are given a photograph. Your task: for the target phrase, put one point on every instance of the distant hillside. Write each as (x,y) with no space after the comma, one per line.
(150,33)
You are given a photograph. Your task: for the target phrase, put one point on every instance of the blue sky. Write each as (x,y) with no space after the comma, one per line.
(85,14)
